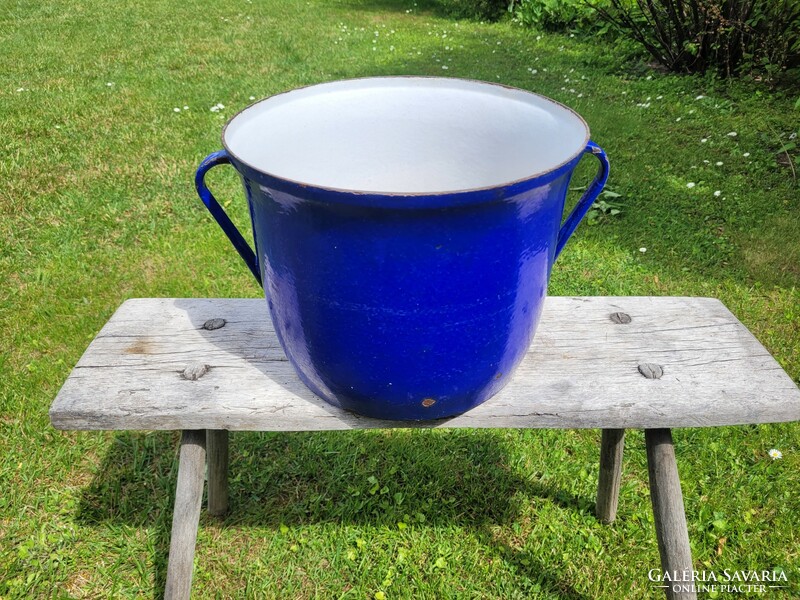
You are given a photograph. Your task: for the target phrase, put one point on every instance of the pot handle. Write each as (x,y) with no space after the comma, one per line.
(589,196)
(242,247)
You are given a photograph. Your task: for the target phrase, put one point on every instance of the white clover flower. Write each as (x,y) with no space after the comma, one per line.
(176,109)
(445,67)
(534,71)
(677,120)
(775,454)
(185,108)
(746,154)
(717,194)
(20,89)
(252,97)
(719,163)
(642,249)
(659,97)
(732,134)
(110,84)
(704,140)
(690,185)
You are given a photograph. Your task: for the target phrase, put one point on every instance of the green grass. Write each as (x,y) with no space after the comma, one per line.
(97,205)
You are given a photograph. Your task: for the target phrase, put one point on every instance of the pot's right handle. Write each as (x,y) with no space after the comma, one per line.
(242,247)
(589,196)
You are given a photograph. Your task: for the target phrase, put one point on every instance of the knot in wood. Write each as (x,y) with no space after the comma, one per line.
(651,370)
(195,371)
(620,318)
(213,324)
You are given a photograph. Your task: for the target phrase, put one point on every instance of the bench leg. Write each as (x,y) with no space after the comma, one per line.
(217,446)
(186,514)
(667,499)
(611,448)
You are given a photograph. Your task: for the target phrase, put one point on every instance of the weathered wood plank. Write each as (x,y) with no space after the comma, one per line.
(217,450)
(611,449)
(186,515)
(155,366)
(670,519)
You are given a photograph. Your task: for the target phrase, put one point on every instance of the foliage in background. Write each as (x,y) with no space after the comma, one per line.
(729,36)
(554,15)
(490,10)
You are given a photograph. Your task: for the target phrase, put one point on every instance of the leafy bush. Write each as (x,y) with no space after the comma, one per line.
(554,15)
(729,36)
(489,10)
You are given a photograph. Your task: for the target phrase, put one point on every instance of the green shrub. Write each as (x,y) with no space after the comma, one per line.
(489,10)
(554,15)
(729,36)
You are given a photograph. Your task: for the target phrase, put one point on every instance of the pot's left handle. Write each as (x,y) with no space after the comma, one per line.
(242,247)
(588,198)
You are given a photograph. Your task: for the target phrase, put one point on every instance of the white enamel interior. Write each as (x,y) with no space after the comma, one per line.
(406,135)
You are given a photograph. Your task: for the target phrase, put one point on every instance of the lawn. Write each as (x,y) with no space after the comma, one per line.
(105,111)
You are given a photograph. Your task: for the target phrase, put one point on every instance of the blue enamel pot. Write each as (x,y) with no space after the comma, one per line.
(404,232)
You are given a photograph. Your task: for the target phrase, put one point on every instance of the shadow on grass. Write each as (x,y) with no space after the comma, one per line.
(375,478)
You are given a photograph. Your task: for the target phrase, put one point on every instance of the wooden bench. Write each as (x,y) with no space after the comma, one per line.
(210,366)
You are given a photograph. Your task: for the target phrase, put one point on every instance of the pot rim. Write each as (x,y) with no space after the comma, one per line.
(480,191)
